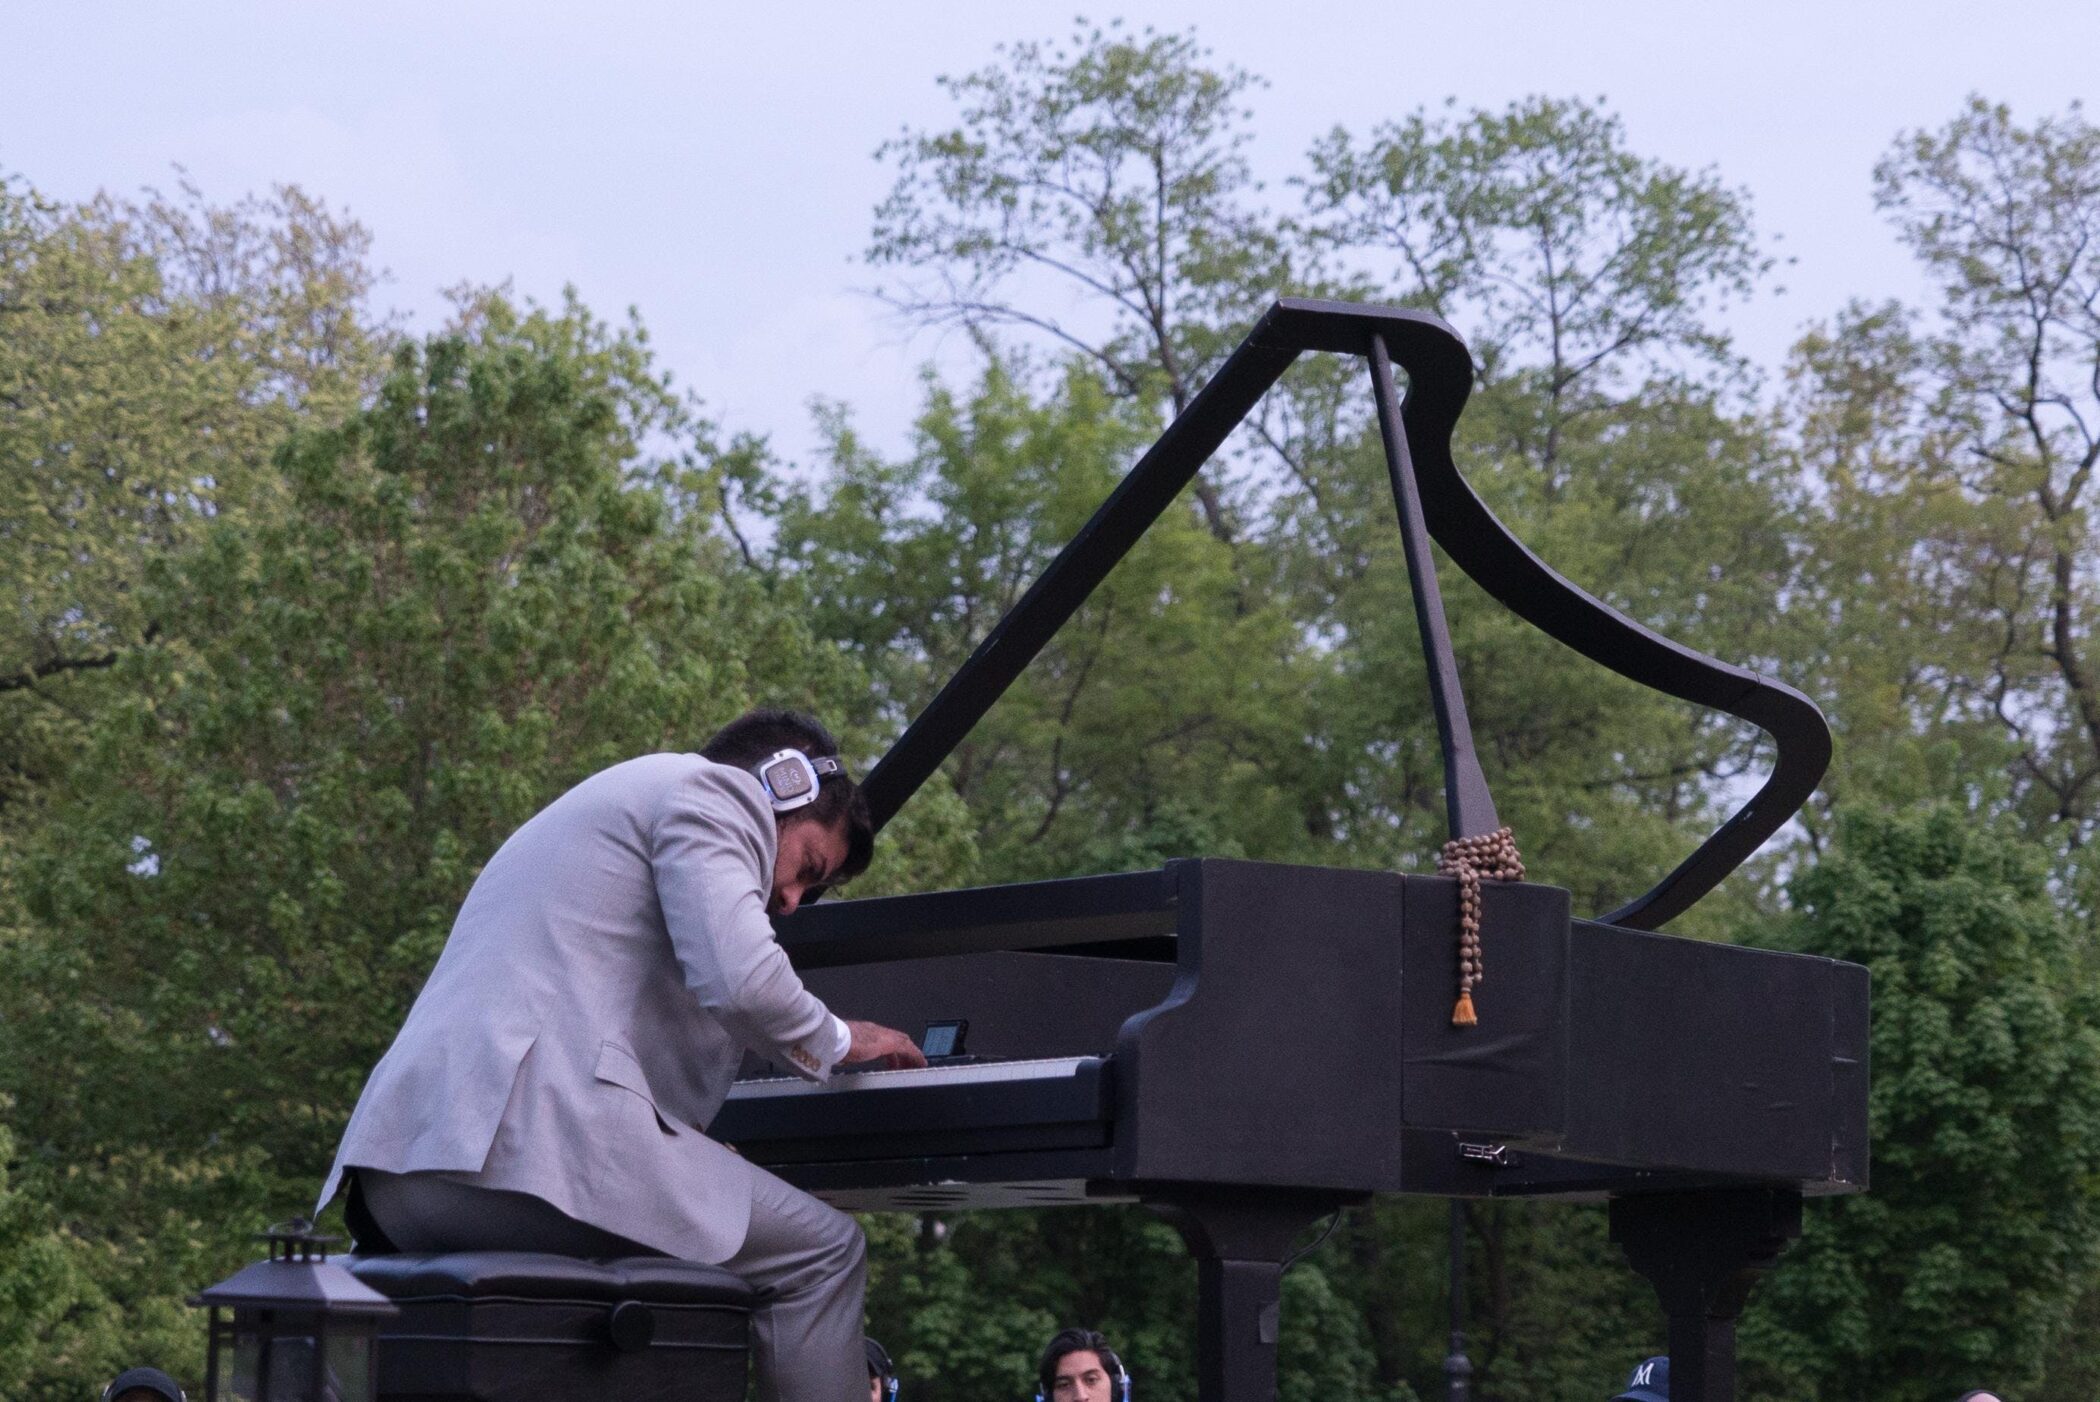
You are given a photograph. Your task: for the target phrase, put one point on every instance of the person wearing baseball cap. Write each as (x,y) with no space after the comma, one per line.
(1648,1382)
(142,1385)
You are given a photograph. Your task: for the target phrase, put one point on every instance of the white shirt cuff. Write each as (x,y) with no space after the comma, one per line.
(815,1055)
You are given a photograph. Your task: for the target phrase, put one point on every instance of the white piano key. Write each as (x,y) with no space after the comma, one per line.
(971,1073)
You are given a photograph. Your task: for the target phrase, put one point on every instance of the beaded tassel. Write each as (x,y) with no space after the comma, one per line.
(1491,856)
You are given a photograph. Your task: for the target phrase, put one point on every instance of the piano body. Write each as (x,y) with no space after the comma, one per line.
(1246,1046)
(1253,1025)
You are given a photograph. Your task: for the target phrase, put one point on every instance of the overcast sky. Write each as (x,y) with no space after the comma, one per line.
(713,164)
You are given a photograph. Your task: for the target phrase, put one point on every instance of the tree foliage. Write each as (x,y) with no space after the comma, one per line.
(1961,1267)
(1105,170)
(1564,253)
(2006,221)
(1956,444)
(1165,718)
(152,354)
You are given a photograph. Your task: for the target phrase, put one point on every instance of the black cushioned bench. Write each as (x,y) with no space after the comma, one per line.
(513,1326)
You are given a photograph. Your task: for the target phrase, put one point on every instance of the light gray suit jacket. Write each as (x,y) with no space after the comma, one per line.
(590,1009)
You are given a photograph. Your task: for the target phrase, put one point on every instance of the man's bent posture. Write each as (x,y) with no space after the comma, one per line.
(609,968)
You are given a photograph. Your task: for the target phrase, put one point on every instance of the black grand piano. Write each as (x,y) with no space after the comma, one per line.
(1245,1046)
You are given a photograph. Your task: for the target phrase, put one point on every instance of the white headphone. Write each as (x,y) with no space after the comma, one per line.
(791,778)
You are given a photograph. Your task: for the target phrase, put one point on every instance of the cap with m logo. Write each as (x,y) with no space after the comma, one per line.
(1649,1382)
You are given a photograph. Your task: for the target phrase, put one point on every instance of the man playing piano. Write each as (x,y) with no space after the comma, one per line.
(602,981)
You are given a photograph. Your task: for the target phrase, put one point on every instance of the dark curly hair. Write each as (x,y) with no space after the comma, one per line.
(758,735)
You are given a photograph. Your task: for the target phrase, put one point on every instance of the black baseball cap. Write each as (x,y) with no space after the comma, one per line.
(151,1380)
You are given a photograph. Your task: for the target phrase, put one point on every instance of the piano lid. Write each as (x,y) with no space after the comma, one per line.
(1439,373)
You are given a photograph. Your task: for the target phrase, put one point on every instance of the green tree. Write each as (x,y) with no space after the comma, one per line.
(1901,654)
(1568,257)
(1162,720)
(1584,277)
(1962,1266)
(1951,450)
(39,1284)
(154,353)
(1105,170)
(1608,430)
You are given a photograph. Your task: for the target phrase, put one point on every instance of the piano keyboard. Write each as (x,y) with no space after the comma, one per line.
(977,1107)
(966,1074)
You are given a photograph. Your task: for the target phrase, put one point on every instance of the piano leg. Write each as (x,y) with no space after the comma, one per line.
(1240,1242)
(1702,1251)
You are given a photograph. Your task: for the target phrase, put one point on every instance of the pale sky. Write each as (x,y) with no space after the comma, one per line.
(713,165)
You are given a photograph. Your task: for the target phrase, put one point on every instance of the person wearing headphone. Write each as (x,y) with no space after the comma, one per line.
(1079,1366)
(882,1374)
(612,964)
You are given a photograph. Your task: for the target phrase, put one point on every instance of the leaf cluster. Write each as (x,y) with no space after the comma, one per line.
(1962,1266)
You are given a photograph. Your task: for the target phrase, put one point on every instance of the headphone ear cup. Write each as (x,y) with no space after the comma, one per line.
(1115,1361)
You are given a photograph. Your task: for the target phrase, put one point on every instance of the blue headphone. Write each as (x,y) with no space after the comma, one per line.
(1084,1341)
(879,1366)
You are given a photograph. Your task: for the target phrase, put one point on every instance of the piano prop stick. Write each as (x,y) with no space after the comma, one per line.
(1702,1089)
(1480,847)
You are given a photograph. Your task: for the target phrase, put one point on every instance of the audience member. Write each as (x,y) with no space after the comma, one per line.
(882,1374)
(1649,1381)
(142,1385)
(1079,1366)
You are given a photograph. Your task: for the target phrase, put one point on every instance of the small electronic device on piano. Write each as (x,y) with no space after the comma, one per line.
(1246,1046)
(942,1042)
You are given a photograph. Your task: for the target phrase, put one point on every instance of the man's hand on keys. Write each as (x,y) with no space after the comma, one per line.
(874,1042)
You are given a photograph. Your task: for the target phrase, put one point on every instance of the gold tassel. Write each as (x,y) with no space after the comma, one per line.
(1462,1015)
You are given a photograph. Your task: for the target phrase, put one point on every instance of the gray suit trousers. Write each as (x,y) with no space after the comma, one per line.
(807,1263)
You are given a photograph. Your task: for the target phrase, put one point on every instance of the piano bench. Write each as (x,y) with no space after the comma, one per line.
(507,1326)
